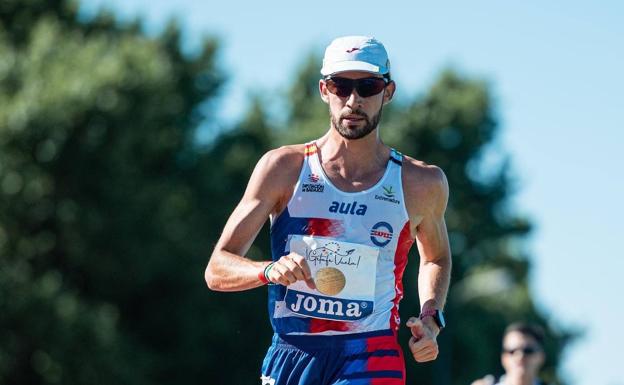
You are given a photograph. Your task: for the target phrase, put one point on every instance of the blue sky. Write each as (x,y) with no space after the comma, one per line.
(556,71)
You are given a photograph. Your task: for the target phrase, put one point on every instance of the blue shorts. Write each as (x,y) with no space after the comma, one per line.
(361,359)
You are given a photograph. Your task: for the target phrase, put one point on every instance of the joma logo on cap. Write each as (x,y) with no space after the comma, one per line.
(353,49)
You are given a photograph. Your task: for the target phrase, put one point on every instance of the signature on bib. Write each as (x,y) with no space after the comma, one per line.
(330,254)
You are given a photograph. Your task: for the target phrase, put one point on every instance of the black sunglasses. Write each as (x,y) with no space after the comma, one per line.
(365,87)
(527,351)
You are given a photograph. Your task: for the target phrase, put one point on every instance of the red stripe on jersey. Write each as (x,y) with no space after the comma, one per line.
(320,325)
(324,227)
(387,381)
(404,245)
(384,363)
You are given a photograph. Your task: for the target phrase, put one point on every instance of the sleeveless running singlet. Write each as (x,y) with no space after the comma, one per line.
(356,244)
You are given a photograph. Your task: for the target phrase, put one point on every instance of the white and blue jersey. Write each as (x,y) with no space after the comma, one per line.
(359,240)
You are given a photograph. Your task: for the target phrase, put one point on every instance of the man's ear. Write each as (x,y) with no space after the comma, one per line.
(323,91)
(389,92)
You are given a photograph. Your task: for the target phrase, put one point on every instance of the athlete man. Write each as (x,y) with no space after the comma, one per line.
(345,210)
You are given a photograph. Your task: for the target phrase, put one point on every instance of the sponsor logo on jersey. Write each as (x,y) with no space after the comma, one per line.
(314,186)
(307,187)
(388,192)
(381,234)
(352,208)
(388,195)
(327,307)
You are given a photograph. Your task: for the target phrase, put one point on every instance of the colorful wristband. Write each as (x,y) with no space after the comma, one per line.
(263,276)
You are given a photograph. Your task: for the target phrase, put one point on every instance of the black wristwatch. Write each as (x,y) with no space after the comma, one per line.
(438,317)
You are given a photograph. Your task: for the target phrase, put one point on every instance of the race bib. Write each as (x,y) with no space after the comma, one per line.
(344,274)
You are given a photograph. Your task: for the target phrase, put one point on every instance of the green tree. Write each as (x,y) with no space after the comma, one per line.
(238,322)
(101,245)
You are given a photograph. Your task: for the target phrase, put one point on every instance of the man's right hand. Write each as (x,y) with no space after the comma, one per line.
(290,269)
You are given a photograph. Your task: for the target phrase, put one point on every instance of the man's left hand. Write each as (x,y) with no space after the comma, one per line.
(423,344)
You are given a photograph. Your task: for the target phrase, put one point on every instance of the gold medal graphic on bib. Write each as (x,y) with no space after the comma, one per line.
(330,281)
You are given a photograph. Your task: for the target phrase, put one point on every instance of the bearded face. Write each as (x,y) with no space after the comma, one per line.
(355,124)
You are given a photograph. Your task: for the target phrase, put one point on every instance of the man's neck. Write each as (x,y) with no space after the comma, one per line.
(360,156)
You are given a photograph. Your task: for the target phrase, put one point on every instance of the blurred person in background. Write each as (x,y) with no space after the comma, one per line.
(522,356)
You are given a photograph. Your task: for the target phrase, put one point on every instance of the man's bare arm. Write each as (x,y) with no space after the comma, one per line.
(427,197)
(228,268)
(433,245)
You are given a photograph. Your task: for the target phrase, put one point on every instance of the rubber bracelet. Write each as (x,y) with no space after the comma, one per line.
(263,275)
(267,269)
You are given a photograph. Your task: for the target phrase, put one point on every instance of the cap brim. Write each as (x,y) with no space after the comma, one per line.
(345,66)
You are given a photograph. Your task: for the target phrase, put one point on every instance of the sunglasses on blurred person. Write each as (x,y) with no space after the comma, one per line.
(365,87)
(527,350)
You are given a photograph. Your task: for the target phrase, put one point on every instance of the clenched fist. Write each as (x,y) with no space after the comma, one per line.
(422,344)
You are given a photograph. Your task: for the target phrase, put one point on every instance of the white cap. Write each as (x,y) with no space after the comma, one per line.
(355,53)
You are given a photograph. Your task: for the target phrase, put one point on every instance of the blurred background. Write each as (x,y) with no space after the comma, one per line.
(128,131)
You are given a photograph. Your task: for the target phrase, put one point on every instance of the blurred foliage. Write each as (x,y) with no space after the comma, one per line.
(109,209)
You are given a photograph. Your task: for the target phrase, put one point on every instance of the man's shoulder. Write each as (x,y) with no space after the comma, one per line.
(425,187)
(284,158)
(281,166)
(421,174)
(277,172)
